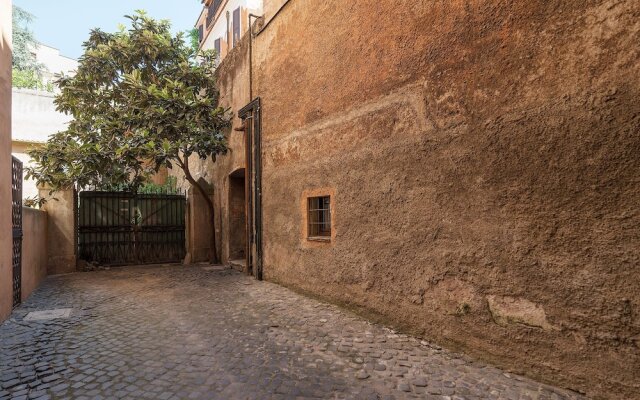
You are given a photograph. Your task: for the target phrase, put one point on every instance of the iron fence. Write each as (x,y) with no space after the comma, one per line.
(16,219)
(118,228)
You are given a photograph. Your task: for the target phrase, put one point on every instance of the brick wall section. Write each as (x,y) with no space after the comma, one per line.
(484,160)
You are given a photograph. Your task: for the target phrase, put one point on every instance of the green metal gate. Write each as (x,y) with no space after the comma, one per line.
(120,228)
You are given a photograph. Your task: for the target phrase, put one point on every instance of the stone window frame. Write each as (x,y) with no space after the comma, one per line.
(314,241)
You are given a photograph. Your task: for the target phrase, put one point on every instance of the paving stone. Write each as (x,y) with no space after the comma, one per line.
(362,374)
(46,315)
(172,332)
(420,382)
(380,367)
(404,387)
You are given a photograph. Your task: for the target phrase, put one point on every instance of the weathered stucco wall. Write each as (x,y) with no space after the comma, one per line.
(6,273)
(234,94)
(482,158)
(61,243)
(198,225)
(34,249)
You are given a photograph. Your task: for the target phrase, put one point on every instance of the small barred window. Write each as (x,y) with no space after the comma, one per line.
(319,217)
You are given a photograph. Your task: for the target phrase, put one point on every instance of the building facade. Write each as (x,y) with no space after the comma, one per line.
(34,113)
(462,171)
(6,272)
(222,23)
(34,118)
(54,62)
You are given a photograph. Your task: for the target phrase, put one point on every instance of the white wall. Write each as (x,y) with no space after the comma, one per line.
(29,186)
(54,62)
(220,25)
(34,118)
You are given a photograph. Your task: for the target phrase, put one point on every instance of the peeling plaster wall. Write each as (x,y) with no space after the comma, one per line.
(6,271)
(483,159)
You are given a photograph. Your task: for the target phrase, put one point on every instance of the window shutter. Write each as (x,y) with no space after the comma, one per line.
(236,26)
(218,48)
(212,10)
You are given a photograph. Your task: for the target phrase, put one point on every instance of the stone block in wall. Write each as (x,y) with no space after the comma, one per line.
(514,310)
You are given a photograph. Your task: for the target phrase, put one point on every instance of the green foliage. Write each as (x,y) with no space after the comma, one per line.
(194,38)
(169,187)
(29,79)
(141,99)
(24,42)
(35,201)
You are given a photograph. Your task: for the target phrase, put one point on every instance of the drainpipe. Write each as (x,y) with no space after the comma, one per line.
(251,36)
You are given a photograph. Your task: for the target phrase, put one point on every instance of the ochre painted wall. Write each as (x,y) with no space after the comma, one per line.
(483,160)
(34,249)
(234,94)
(61,241)
(6,273)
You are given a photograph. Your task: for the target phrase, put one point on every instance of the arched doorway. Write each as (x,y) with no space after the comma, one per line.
(237,217)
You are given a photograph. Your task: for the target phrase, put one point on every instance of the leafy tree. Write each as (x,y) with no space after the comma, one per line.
(24,41)
(141,99)
(194,38)
(29,79)
(27,71)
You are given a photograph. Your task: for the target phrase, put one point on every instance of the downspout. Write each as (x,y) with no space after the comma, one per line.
(251,36)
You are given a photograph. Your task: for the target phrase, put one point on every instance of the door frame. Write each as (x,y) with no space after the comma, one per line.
(252,123)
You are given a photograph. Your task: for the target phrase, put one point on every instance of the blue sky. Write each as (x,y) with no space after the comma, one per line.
(65,24)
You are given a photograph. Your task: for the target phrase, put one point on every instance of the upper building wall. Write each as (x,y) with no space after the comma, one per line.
(271,7)
(229,22)
(54,62)
(34,116)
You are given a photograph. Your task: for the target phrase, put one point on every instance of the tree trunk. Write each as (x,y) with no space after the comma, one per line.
(185,167)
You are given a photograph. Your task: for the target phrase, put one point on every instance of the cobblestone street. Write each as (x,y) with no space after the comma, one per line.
(195,333)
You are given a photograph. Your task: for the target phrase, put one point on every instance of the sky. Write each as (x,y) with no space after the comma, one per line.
(65,24)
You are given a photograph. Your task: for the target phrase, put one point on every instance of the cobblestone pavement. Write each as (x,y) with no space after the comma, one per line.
(188,333)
